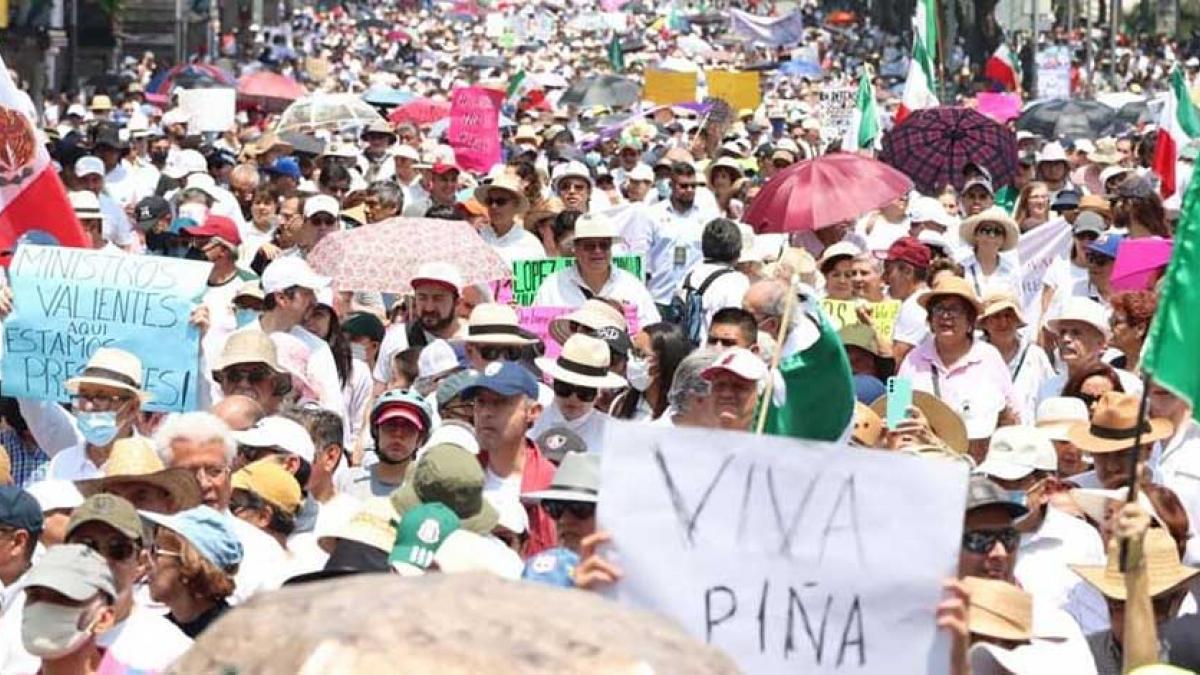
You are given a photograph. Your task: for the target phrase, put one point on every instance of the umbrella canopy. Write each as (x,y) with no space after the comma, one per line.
(1139,263)
(801,69)
(269,90)
(480,61)
(825,191)
(608,90)
(420,111)
(384,256)
(1068,118)
(190,76)
(932,146)
(327,111)
(386,97)
(1140,112)
(303,144)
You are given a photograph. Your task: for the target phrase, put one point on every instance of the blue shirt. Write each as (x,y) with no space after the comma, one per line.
(29,463)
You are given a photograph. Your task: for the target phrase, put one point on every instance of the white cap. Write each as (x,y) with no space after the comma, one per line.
(842,249)
(288,271)
(576,169)
(1023,135)
(513,516)
(934,239)
(89,166)
(77,110)
(175,116)
(442,273)
(406,151)
(186,162)
(1052,152)
(55,495)
(929,210)
(436,358)
(1086,310)
(641,172)
(1084,145)
(1110,171)
(739,361)
(1058,414)
(279,432)
(321,204)
(454,433)
(205,183)
(85,204)
(1017,451)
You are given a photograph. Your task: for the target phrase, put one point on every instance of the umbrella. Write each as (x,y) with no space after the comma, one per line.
(608,90)
(1068,118)
(1138,263)
(1140,112)
(384,256)
(327,111)
(420,111)
(825,191)
(303,144)
(482,62)
(269,90)
(932,146)
(190,76)
(387,97)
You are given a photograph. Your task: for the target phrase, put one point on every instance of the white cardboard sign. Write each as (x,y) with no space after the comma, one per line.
(209,109)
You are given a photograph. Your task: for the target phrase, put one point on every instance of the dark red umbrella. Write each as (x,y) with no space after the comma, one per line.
(932,146)
(420,111)
(269,89)
(825,191)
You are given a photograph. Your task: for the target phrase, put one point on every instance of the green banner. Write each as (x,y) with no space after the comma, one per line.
(528,275)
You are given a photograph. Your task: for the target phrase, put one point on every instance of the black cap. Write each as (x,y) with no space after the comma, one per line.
(556,442)
(982,491)
(19,509)
(150,210)
(617,340)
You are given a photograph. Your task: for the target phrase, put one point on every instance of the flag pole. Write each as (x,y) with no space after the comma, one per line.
(784,322)
(1134,460)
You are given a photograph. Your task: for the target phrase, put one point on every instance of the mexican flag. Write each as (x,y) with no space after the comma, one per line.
(1177,124)
(919,88)
(1004,68)
(864,124)
(518,84)
(1171,356)
(813,395)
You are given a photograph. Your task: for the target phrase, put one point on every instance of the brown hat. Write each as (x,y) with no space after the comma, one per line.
(998,301)
(133,460)
(1114,426)
(949,284)
(1162,568)
(999,609)
(248,346)
(1096,204)
(868,426)
(943,421)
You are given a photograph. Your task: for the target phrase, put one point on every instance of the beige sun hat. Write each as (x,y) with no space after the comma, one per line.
(995,302)
(1114,426)
(995,214)
(593,315)
(504,183)
(112,367)
(248,346)
(1163,569)
(583,362)
(133,460)
(495,324)
(999,609)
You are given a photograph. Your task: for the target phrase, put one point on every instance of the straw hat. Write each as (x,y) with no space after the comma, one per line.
(1114,426)
(1163,568)
(1057,414)
(727,163)
(593,314)
(868,426)
(948,284)
(1096,204)
(111,367)
(998,301)
(862,336)
(101,103)
(526,132)
(595,226)
(966,231)
(1094,502)
(583,362)
(943,421)
(504,183)
(999,609)
(133,460)
(1105,152)
(248,346)
(373,524)
(496,324)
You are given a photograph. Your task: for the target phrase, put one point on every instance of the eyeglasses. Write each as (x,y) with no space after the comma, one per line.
(722,342)
(593,244)
(116,550)
(948,309)
(982,541)
(210,472)
(990,231)
(99,402)
(1098,259)
(253,454)
(159,552)
(567,390)
(572,186)
(580,510)
(323,221)
(493,353)
(251,375)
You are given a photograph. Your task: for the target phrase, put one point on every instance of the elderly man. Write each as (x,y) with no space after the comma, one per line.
(571,498)
(443,190)
(238,411)
(578,375)
(734,378)
(385,200)
(90,172)
(594,275)
(906,272)
(243,183)
(69,580)
(690,395)
(1083,332)
(437,288)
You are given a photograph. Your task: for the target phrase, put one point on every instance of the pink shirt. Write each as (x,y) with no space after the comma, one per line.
(978,386)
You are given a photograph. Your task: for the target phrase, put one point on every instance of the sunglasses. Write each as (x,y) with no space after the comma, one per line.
(1098,259)
(593,244)
(498,201)
(491,353)
(982,541)
(253,454)
(323,221)
(566,390)
(580,510)
(251,375)
(116,550)
(991,231)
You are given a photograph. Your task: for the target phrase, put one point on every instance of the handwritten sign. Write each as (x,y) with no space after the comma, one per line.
(1054,72)
(538,319)
(70,302)
(474,131)
(528,275)
(1038,249)
(842,313)
(209,109)
(837,107)
(791,556)
(666,87)
(740,88)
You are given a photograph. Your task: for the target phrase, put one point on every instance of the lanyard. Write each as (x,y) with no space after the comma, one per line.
(1024,353)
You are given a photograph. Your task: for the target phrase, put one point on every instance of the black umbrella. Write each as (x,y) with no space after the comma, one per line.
(482,62)
(303,143)
(608,90)
(1139,112)
(1068,118)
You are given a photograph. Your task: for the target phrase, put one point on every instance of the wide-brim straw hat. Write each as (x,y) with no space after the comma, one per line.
(1114,426)
(868,426)
(584,362)
(998,301)
(496,324)
(133,460)
(248,346)
(504,183)
(999,609)
(948,285)
(593,314)
(1012,233)
(943,421)
(111,367)
(1163,569)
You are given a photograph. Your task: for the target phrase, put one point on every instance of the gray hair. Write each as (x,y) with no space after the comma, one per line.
(388,193)
(198,427)
(870,258)
(687,383)
(775,296)
(247,172)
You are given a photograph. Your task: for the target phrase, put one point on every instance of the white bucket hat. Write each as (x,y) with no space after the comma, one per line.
(583,362)
(111,367)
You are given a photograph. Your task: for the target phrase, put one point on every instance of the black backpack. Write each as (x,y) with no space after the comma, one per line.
(690,309)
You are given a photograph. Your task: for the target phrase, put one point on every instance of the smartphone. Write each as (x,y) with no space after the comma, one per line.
(899,400)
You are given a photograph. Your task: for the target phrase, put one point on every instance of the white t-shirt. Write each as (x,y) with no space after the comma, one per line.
(590,428)
(145,641)
(516,244)
(263,561)
(912,325)
(726,290)
(883,233)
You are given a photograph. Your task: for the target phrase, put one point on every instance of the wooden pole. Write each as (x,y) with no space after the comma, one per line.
(784,323)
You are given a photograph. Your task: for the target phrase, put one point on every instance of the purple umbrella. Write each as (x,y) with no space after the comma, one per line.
(932,146)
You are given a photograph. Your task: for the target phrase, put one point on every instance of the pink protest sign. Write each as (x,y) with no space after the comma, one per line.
(475,127)
(537,320)
(1000,107)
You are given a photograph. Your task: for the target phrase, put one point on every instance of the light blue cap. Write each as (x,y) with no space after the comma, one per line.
(210,532)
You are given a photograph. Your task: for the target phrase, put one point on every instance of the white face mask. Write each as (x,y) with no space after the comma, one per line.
(637,372)
(50,631)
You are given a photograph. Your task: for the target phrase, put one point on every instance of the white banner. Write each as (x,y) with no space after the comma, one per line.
(791,556)
(1038,249)
(209,109)
(1054,72)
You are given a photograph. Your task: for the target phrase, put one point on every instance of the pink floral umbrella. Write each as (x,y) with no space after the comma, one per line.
(384,256)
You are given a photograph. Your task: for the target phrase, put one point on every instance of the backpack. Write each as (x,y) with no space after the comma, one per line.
(690,310)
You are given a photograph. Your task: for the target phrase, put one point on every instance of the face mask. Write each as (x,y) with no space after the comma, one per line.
(98,428)
(193,211)
(637,371)
(245,317)
(358,351)
(664,188)
(577,423)
(50,631)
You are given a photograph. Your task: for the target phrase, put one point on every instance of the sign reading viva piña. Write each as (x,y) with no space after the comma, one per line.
(69,302)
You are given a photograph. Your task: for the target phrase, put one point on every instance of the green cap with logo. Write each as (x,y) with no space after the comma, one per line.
(111,510)
(451,475)
(421,531)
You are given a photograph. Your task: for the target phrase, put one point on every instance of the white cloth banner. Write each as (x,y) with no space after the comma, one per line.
(791,556)
(1038,249)
(779,31)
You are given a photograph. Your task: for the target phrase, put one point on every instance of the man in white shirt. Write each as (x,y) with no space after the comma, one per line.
(1083,334)
(437,288)
(719,284)
(595,276)
(1176,461)
(906,272)
(404,161)
(505,201)
(120,181)
(117,228)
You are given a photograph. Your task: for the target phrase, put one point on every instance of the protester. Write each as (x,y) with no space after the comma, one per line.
(194,556)
(577,375)
(70,588)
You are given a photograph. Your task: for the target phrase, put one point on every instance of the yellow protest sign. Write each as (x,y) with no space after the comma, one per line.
(740,89)
(840,312)
(843,313)
(883,316)
(667,87)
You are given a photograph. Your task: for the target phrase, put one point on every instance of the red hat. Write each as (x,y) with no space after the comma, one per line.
(401,411)
(442,167)
(911,251)
(217,227)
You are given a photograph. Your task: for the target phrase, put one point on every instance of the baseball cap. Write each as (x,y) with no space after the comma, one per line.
(555,567)
(450,475)
(1088,221)
(1107,244)
(910,250)
(217,227)
(440,168)
(150,210)
(279,432)
(842,249)
(55,495)
(89,166)
(186,162)
(20,510)
(441,273)
(74,570)
(364,324)
(268,479)
(982,491)
(208,531)
(506,378)
(111,510)
(1135,187)
(454,385)
(557,441)
(420,533)
(285,166)
(641,172)
(981,182)
(739,361)
(321,204)
(436,358)
(288,271)
(1017,451)
(929,210)
(1065,200)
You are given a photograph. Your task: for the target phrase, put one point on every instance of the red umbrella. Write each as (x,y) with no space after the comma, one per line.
(420,111)
(269,89)
(825,191)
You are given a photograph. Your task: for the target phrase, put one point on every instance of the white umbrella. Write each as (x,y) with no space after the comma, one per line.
(327,111)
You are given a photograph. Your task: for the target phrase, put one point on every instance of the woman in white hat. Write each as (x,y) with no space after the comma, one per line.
(990,233)
(1002,321)
(727,182)
(579,373)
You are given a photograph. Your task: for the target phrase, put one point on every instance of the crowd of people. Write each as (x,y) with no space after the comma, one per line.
(427,429)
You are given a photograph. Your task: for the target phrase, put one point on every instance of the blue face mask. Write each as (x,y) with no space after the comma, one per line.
(245,317)
(1017,497)
(98,428)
